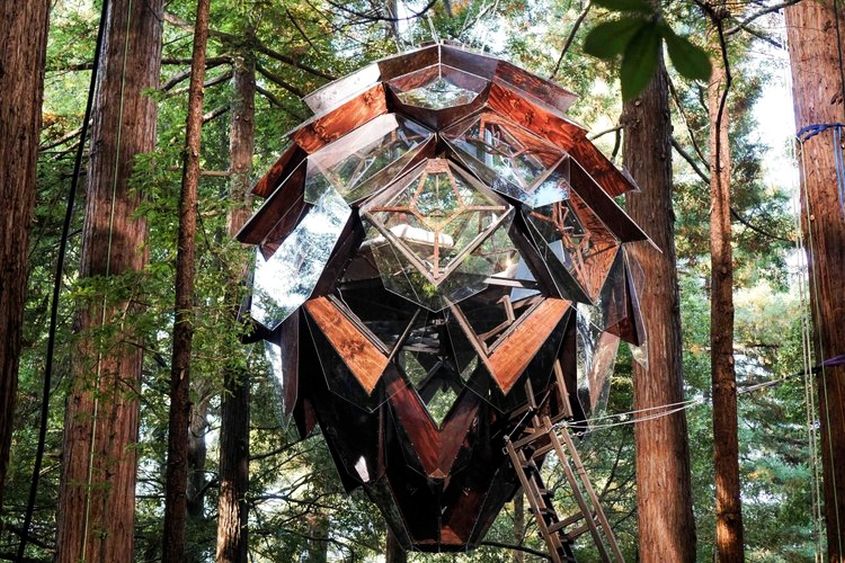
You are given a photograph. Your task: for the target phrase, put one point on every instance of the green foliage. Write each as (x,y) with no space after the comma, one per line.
(638,35)
(292,483)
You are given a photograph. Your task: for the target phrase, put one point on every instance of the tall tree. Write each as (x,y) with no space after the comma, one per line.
(176,500)
(22,84)
(729,540)
(664,494)
(97,497)
(816,34)
(232,508)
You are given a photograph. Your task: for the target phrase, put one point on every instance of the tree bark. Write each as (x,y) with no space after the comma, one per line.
(232,519)
(817,90)
(729,542)
(664,494)
(22,83)
(97,497)
(519,525)
(175,510)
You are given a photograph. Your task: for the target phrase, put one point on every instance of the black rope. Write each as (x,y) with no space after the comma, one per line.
(57,285)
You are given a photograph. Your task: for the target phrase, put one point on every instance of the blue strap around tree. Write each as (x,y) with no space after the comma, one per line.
(810,131)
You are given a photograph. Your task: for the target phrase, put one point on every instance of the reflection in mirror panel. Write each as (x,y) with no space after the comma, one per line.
(365,160)
(436,216)
(286,280)
(563,235)
(512,160)
(437,87)
(595,359)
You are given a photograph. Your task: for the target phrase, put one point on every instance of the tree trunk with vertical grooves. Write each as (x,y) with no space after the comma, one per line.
(664,494)
(519,525)
(232,519)
(176,506)
(729,542)
(817,91)
(22,84)
(96,512)
(395,552)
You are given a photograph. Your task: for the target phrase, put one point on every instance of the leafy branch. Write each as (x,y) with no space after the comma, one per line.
(638,35)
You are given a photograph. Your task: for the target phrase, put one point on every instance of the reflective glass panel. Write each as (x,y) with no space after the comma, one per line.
(571,234)
(595,360)
(436,217)
(286,280)
(365,160)
(437,87)
(512,160)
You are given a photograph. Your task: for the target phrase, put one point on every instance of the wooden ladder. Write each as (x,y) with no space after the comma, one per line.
(542,437)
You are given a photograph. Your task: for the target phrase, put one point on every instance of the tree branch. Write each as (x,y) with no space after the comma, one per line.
(571,37)
(517,548)
(278,80)
(770,9)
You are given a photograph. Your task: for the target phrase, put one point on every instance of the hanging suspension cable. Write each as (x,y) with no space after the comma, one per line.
(57,285)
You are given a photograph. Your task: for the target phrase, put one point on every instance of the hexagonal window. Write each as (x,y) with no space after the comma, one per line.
(437,87)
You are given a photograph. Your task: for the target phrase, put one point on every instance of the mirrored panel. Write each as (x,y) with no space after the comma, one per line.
(285,281)
(365,160)
(436,216)
(510,159)
(437,87)
(569,233)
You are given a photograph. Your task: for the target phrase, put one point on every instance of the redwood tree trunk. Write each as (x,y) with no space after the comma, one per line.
(22,86)
(176,506)
(729,542)
(817,89)
(519,525)
(97,497)
(232,507)
(664,496)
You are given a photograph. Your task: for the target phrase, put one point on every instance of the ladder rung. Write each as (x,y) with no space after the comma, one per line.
(577,532)
(568,521)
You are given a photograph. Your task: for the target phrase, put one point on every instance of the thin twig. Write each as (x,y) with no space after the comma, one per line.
(571,37)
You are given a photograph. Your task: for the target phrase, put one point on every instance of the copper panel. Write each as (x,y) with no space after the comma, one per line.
(287,163)
(513,355)
(324,129)
(363,359)
(403,63)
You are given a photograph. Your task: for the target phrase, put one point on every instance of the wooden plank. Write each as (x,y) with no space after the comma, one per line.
(289,343)
(290,159)
(289,195)
(545,91)
(613,216)
(436,448)
(323,129)
(514,354)
(360,355)
(403,63)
